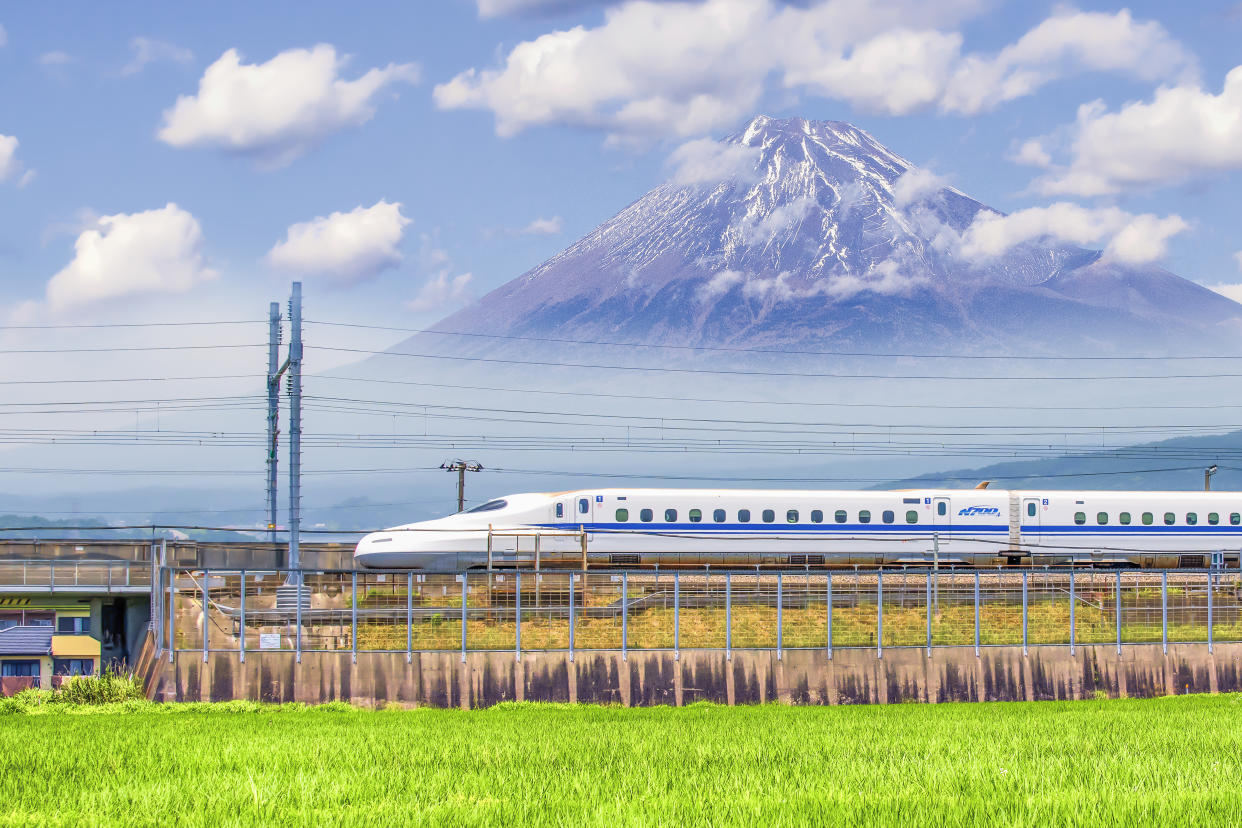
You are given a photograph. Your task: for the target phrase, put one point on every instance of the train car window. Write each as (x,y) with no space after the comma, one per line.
(1191,518)
(560,510)
(719,515)
(670,515)
(942,508)
(584,505)
(623,515)
(864,516)
(491,506)
(1169,518)
(912,516)
(1234,518)
(768,515)
(791,516)
(646,516)
(1101,518)
(1080,518)
(1124,518)
(888,516)
(840,516)
(1213,518)
(696,515)
(817,516)
(1030,509)
(743,515)
(1147,518)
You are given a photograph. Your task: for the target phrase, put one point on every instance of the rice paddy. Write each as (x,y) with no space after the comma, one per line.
(1160,761)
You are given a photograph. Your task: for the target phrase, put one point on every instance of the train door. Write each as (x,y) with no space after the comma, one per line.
(1031,514)
(942,515)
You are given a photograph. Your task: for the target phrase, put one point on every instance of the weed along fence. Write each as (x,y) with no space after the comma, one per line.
(647,637)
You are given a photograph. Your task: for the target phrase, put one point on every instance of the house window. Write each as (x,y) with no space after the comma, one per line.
(817,516)
(11,669)
(73,666)
(73,626)
(864,516)
(646,516)
(623,515)
(888,516)
(719,515)
(743,515)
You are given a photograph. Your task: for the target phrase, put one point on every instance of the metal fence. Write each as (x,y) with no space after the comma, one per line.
(66,574)
(365,611)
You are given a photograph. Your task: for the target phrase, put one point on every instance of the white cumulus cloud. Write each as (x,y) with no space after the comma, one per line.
(686,68)
(1182,133)
(440,291)
(344,247)
(10,166)
(277,110)
(156,251)
(543,227)
(704,161)
(916,184)
(1129,238)
(718,285)
(149,50)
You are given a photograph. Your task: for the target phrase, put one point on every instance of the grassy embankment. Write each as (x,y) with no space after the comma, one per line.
(1156,762)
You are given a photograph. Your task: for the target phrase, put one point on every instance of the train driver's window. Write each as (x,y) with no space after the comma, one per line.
(560,510)
(1147,518)
(791,516)
(1101,518)
(696,515)
(864,516)
(1169,518)
(912,516)
(646,516)
(942,508)
(768,515)
(584,505)
(623,515)
(1080,518)
(1234,518)
(840,516)
(888,516)
(743,515)
(1213,518)
(1030,509)
(1124,518)
(817,516)
(719,515)
(670,515)
(1191,518)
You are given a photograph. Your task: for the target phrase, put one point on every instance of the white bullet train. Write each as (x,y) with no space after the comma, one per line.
(756,527)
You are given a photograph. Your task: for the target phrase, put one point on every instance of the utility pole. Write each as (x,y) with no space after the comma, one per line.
(1207,477)
(295,427)
(273,413)
(461,467)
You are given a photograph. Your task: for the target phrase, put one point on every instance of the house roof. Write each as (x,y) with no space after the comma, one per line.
(26,641)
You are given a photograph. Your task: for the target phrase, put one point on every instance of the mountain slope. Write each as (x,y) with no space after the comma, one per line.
(819,237)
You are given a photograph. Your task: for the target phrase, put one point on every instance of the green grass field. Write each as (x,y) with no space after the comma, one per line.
(1175,761)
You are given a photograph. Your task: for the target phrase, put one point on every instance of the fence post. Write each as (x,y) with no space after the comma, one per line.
(780,603)
(1164,611)
(1209,592)
(1118,606)
(517,611)
(297,642)
(676,616)
(204,591)
(1073,601)
(976,614)
(572,576)
(927,601)
(353,617)
(409,617)
(464,596)
(829,616)
(728,617)
(879,613)
(1025,639)
(625,614)
(242,612)
(172,612)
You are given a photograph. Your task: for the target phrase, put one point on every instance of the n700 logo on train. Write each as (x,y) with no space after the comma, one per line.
(979,510)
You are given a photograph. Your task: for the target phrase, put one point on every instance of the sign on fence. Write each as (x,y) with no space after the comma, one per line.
(269,641)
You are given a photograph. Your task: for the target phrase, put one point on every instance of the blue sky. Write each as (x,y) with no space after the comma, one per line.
(88,117)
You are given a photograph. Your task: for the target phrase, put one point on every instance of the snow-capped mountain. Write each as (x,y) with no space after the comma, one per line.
(794,233)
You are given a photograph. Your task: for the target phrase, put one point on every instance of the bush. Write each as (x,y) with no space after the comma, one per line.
(109,687)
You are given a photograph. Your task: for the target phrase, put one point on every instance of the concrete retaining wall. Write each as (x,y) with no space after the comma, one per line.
(657,677)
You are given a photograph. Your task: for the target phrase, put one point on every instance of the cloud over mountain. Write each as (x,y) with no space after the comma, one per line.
(343,248)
